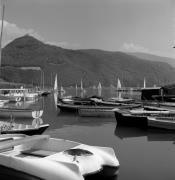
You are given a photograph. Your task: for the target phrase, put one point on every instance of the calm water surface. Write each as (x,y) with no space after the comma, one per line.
(143,155)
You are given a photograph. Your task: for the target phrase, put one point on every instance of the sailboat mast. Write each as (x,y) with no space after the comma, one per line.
(2,26)
(43,80)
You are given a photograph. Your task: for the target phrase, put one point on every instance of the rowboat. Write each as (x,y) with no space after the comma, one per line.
(41,157)
(162,122)
(75,107)
(140,116)
(15,128)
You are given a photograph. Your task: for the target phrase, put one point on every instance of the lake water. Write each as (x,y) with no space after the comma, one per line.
(143,155)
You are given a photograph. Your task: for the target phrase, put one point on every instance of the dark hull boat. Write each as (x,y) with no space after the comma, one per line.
(76,101)
(68,107)
(147,117)
(127,119)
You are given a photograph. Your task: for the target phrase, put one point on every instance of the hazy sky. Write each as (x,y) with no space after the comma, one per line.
(127,25)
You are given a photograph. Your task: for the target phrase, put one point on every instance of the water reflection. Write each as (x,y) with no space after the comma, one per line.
(74,119)
(37,122)
(151,134)
(101,178)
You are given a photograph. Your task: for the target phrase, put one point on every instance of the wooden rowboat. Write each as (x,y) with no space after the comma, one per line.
(167,123)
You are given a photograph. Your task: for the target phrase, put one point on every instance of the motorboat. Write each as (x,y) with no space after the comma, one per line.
(42,157)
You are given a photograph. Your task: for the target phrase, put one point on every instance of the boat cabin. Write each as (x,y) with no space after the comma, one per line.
(164,93)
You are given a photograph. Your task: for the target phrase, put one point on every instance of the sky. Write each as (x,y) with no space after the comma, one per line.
(115,25)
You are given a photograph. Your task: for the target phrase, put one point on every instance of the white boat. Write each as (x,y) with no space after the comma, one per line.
(144,83)
(21,94)
(99,89)
(41,157)
(119,86)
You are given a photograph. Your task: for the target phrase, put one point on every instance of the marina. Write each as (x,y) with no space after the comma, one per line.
(87,90)
(153,144)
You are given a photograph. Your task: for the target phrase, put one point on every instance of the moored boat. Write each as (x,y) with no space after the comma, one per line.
(42,157)
(139,117)
(126,118)
(15,128)
(164,122)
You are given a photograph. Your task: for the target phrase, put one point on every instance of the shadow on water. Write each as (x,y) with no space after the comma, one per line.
(74,119)
(124,132)
(101,178)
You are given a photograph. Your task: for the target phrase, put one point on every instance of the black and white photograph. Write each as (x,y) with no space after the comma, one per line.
(87,89)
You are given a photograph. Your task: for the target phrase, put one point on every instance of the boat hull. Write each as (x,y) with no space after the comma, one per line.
(10,173)
(105,172)
(126,119)
(68,107)
(55,159)
(30,132)
(161,124)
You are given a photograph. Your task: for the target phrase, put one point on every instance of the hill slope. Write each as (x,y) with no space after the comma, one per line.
(73,65)
(155,58)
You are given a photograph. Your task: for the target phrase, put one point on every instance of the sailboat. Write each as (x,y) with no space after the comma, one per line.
(76,88)
(99,89)
(81,86)
(55,90)
(119,86)
(82,90)
(2,26)
(62,91)
(144,83)
(55,84)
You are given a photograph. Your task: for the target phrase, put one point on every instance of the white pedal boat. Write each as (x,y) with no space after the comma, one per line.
(41,157)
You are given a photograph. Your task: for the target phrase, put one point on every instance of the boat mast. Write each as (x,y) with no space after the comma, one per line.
(2,26)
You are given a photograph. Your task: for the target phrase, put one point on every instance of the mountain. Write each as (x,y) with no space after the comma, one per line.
(152,57)
(24,60)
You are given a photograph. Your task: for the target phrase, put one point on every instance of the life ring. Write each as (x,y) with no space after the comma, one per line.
(18,99)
